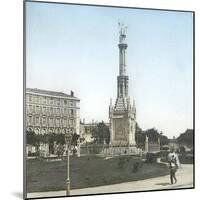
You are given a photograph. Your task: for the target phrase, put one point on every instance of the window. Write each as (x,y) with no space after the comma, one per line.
(44,100)
(65,122)
(30,108)
(61,102)
(71,112)
(47,109)
(37,109)
(51,110)
(58,102)
(47,100)
(37,99)
(44,109)
(44,120)
(30,119)
(37,120)
(71,122)
(33,108)
(51,121)
(65,102)
(58,110)
(57,121)
(51,100)
(30,98)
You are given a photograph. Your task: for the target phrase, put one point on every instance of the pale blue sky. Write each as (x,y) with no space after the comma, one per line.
(75,48)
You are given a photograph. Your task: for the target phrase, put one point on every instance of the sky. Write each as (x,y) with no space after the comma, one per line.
(70,47)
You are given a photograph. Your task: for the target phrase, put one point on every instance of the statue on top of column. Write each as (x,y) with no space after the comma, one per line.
(122,31)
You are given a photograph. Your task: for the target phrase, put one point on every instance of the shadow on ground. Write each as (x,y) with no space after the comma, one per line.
(163,184)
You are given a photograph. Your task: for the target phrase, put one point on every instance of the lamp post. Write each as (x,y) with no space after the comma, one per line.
(68,138)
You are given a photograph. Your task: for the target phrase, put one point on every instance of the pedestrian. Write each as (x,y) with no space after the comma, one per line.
(173,166)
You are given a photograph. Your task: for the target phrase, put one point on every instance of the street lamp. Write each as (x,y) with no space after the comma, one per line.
(68,138)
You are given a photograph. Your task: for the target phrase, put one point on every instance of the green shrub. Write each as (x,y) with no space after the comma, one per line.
(151,157)
(163,154)
(137,165)
(186,159)
(121,162)
(37,153)
(182,149)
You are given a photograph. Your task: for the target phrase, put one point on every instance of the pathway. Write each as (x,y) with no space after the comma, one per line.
(184,176)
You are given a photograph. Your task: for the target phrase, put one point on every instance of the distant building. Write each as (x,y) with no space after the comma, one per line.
(86,130)
(52,112)
(173,144)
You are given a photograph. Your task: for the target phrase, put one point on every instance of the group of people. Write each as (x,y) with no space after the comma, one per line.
(174,164)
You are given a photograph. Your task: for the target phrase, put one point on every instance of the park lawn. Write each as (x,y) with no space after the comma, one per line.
(88,171)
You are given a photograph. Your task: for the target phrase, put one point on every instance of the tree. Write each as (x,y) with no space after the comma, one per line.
(186,138)
(60,139)
(101,133)
(139,137)
(164,140)
(75,138)
(74,142)
(52,139)
(152,134)
(32,138)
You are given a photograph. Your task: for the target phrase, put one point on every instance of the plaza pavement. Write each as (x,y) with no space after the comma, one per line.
(184,176)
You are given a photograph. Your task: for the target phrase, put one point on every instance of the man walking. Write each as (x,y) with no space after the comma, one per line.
(173,166)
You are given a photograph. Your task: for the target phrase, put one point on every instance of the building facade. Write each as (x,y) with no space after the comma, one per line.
(52,112)
(86,130)
(122,115)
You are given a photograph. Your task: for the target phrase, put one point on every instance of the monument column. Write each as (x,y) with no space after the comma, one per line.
(122,117)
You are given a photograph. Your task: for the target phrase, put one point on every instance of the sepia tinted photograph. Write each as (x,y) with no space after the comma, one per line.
(108,99)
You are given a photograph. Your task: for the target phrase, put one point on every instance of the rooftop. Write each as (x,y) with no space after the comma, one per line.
(48,92)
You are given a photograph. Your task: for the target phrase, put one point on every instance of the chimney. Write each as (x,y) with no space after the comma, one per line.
(72,93)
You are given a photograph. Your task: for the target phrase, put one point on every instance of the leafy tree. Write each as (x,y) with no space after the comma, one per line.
(101,133)
(152,135)
(32,138)
(139,137)
(60,139)
(75,138)
(164,140)
(182,149)
(52,139)
(186,138)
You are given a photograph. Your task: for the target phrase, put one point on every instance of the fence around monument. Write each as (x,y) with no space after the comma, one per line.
(109,150)
(153,147)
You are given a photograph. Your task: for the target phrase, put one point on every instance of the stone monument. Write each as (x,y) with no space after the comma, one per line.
(122,115)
